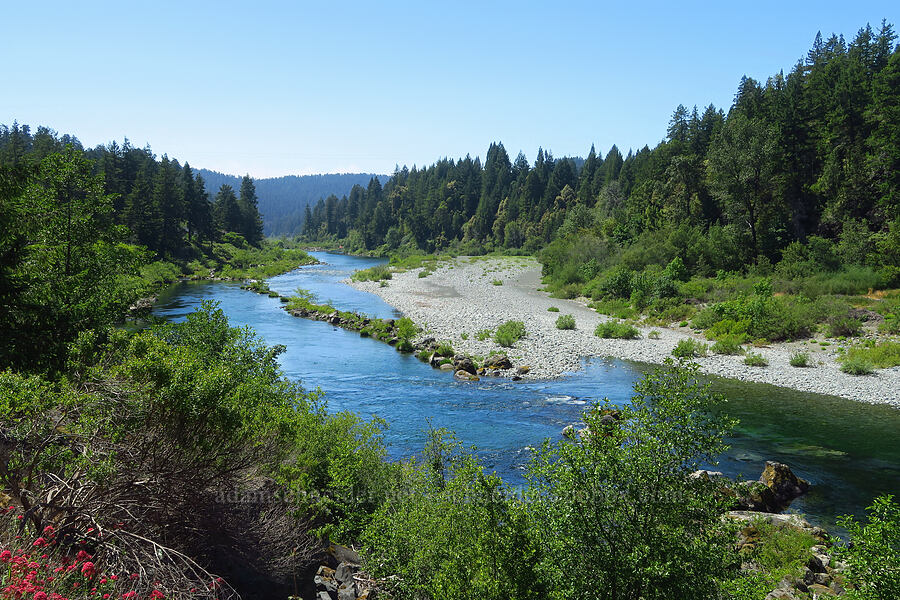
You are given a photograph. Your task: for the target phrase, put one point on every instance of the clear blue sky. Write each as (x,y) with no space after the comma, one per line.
(276,88)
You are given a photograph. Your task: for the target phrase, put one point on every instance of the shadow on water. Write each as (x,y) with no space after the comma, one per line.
(848,450)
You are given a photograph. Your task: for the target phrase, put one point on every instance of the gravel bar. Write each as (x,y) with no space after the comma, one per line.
(461,296)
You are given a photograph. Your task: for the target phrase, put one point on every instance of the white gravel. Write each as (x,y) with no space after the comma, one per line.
(460,297)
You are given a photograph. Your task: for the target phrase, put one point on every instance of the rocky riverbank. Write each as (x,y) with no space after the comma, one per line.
(463,297)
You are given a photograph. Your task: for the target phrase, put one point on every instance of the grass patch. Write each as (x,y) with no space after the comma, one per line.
(616,330)
(729,344)
(484,335)
(445,349)
(565,322)
(376,273)
(552,309)
(884,355)
(755,360)
(799,359)
(509,333)
(497,282)
(690,348)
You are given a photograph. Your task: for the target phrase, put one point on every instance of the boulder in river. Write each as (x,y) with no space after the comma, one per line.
(786,486)
(464,363)
(497,361)
(465,376)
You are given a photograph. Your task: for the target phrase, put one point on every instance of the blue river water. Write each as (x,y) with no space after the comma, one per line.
(849,451)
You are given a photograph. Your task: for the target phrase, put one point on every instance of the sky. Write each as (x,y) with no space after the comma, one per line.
(293,88)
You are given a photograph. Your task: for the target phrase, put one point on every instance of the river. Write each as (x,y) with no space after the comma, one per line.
(849,451)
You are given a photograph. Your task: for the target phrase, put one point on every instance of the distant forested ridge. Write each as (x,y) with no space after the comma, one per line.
(282,200)
(813,154)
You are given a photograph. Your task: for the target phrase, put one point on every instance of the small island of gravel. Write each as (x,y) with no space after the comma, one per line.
(466,295)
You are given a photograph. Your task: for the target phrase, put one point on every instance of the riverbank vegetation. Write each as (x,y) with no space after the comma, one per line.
(84,234)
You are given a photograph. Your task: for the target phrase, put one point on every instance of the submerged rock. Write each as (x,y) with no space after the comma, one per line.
(465,376)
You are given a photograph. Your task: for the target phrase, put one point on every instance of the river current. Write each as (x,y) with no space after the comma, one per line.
(849,451)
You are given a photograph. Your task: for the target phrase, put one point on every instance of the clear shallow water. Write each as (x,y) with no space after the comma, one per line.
(850,451)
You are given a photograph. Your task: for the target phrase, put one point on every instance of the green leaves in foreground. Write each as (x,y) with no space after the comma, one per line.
(612,514)
(619,503)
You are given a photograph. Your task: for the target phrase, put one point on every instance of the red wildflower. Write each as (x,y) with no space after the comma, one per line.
(82,555)
(134,575)
(88,569)
(131,594)
(105,596)
(5,556)
(40,542)
(156,595)
(40,596)
(48,530)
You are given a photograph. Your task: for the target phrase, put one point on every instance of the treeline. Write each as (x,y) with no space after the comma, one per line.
(86,233)
(810,153)
(162,203)
(282,200)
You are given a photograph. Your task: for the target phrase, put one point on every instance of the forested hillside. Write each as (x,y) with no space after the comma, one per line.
(85,233)
(809,157)
(282,200)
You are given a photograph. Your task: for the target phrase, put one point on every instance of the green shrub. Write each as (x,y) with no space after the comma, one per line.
(406,329)
(729,327)
(873,554)
(424,273)
(405,345)
(883,355)
(610,496)
(653,335)
(552,309)
(616,330)
(705,319)
(445,349)
(565,322)
(728,344)
(497,282)
(509,333)
(856,365)
(843,326)
(484,334)
(689,348)
(376,273)
(755,360)
(615,307)
(799,359)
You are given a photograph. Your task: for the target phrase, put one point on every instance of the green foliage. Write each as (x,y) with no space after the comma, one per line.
(449,530)
(843,326)
(873,557)
(553,309)
(610,495)
(689,348)
(484,334)
(616,330)
(856,365)
(779,551)
(445,349)
(620,309)
(509,333)
(883,355)
(728,344)
(799,359)
(497,282)
(754,359)
(406,329)
(565,322)
(376,273)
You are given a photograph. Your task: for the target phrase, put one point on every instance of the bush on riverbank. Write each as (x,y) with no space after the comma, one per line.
(376,273)
(616,330)
(565,322)
(509,333)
